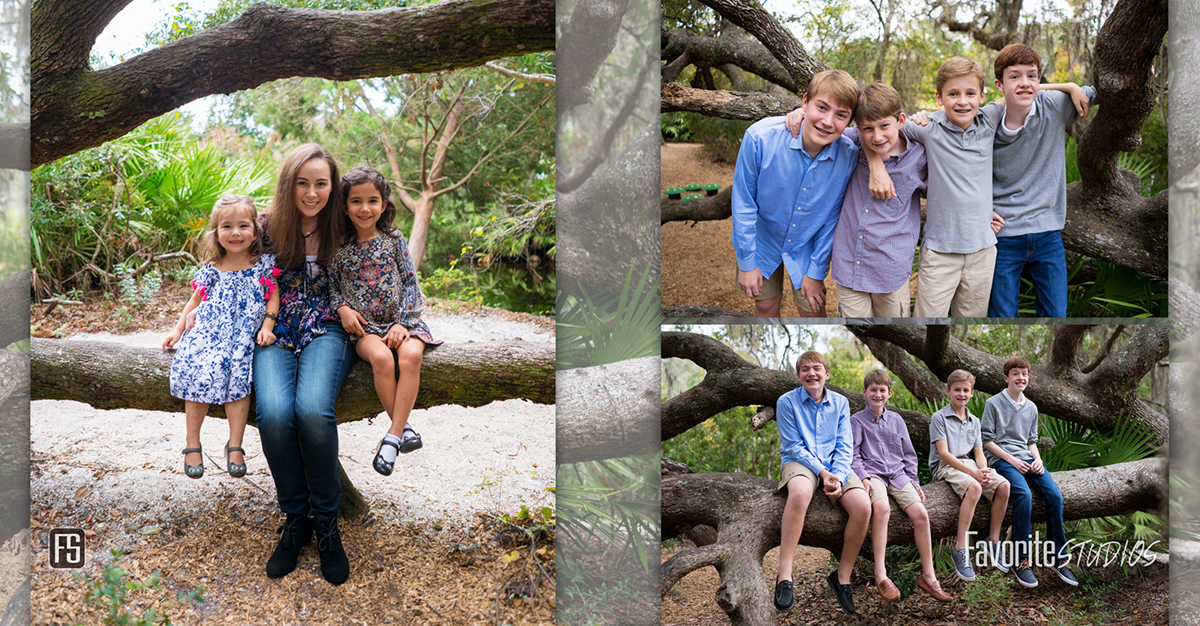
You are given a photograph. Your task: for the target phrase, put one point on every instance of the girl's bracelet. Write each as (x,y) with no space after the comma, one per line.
(273,316)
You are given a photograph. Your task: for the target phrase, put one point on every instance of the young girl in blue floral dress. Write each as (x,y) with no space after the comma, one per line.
(236,303)
(375,292)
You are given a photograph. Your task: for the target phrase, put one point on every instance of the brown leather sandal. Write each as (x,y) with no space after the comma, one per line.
(887,590)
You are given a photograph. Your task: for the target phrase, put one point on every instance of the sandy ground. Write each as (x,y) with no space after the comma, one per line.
(488,459)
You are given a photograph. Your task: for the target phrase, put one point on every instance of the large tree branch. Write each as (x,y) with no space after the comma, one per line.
(730,381)
(754,18)
(915,376)
(736,49)
(730,105)
(75,108)
(993,29)
(592,30)
(1101,398)
(746,511)
(110,376)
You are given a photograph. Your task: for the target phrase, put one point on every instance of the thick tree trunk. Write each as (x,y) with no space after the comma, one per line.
(607,412)
(422,216)
(75,107)
(109,376)
(746,511)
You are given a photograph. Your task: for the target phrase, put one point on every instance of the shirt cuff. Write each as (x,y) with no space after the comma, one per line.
(747,265)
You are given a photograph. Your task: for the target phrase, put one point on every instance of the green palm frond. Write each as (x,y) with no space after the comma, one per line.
(609,328)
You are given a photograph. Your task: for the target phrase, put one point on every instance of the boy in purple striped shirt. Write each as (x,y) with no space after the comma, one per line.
(886,461)
(874,241)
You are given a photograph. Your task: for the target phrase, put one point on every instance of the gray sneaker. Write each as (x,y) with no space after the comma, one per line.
(995,551)
(962,565)
(1024,574)
(1067,576)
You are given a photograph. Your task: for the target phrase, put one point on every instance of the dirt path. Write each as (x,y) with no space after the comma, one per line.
(698,265)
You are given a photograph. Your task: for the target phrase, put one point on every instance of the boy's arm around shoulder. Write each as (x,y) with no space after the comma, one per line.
(1079,98)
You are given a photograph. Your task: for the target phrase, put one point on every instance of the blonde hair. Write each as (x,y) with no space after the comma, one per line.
(958,376)
(877,101)
(955,67)
(838,85)
(812,356)
(877,377)
(224,206)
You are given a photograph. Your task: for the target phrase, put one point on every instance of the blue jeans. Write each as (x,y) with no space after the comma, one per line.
(1047,261)
(294,396)
(1021,497)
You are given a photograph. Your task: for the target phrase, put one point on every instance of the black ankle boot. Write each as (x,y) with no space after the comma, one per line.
(297,532)
(335,567)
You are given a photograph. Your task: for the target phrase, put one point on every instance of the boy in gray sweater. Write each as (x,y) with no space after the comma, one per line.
(1029,183)
(1009,430)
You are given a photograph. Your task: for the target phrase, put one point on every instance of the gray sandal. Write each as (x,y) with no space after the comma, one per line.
(193,471)
(236,470)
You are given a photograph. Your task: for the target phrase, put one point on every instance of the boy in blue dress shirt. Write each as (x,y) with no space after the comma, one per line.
(787,195)
(814,429)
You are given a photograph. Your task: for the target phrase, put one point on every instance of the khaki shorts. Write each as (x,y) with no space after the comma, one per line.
(791,469)
(961,481)
(905,497)
(960,284)
(773,286)
(852,303)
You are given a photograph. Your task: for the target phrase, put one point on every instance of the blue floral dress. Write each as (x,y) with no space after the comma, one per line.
(376,278)
(213,360)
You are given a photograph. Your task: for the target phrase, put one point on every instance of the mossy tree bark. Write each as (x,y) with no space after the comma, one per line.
(746,512)
(109,376)
(75,107)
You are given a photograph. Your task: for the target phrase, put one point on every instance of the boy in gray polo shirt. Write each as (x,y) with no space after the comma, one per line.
(1029,185)
(956,456)
(954,275)
(1010,433)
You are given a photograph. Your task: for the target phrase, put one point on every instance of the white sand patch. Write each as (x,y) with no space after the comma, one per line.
(490,459)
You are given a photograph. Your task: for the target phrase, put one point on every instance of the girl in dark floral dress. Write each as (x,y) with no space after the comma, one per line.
(375,292)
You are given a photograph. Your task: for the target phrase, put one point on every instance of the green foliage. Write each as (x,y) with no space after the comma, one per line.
(610,327)
(987,596)
(610,504)
(727,442)
(676,126)
(721,138)
(138,290)
(451,284)
(110,590)
(148,192)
